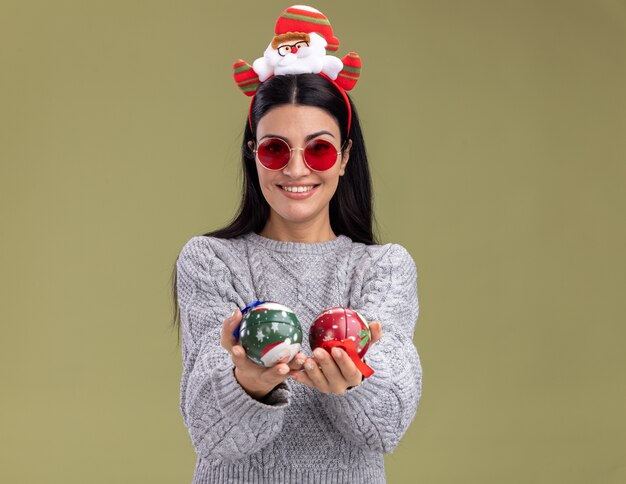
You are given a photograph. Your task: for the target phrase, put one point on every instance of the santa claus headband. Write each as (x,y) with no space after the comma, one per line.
(302,36)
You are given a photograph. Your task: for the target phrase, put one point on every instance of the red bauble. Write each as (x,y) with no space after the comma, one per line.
(339,323)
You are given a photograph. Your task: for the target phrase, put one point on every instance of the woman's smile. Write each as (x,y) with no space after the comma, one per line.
(298,192)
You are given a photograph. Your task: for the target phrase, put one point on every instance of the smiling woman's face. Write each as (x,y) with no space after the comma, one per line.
(298,125)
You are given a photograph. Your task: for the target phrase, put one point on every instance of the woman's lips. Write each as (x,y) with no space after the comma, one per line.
(298,195)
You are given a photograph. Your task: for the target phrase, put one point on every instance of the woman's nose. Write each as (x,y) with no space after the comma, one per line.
(296,168)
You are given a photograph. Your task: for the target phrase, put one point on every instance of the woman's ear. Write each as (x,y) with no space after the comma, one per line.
(345,156)
(251,145)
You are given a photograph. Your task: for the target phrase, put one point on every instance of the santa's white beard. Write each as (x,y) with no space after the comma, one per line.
(308,60)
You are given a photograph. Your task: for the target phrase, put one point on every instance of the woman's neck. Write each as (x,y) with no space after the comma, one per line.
(309,231)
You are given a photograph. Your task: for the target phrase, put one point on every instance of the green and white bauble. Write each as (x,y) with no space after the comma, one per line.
(269,332)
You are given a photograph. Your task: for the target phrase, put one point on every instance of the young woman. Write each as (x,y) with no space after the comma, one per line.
(303,238)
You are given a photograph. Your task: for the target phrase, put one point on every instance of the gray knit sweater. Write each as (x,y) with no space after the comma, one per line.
(296,434)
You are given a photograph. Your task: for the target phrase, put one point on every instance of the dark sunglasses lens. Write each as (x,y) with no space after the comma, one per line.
(274,153)
(320,154)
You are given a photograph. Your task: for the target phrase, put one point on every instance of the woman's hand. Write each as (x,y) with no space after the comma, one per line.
(336,373)
(256,380)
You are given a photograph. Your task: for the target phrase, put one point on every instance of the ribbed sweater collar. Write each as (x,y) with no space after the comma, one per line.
(299,247)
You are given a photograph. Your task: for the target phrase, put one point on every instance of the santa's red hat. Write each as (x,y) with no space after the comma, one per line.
(301,18)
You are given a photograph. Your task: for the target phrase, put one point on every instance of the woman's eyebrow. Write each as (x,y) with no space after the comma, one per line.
(307,138)
(269,135)
(318,133)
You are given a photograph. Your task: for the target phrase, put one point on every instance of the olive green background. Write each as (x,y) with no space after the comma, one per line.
(497,138)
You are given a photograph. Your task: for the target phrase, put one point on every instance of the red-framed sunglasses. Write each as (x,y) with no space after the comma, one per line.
(275,153)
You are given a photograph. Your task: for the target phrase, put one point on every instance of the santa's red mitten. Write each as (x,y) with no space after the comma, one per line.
(245,77)
(351,71)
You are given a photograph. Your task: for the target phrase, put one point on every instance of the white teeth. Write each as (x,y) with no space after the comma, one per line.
(298,189)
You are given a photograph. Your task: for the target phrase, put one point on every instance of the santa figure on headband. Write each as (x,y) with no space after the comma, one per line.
(297,53)
(302,37)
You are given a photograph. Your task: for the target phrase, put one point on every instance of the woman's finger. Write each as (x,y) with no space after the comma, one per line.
(376,330)
(316,375)
(346,366)
(332,373)
(228,339)
(241,360)
(297,362)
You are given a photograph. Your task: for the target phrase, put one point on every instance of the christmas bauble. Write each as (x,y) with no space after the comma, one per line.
(270,331)
(338,323)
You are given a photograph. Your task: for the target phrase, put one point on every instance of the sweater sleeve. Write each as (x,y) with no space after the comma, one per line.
(224,422)
(376,413)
